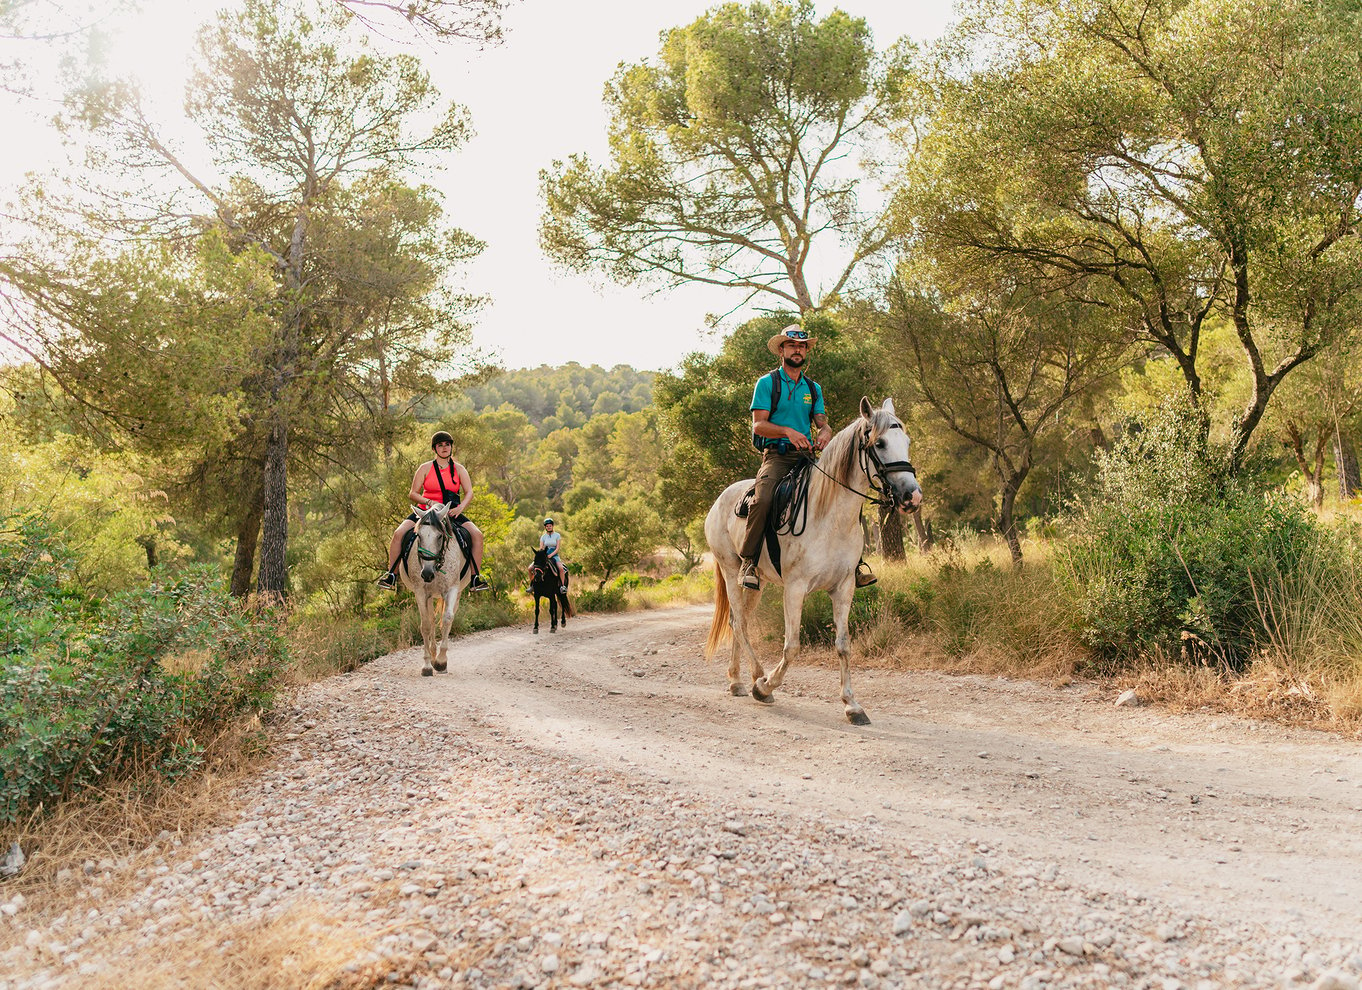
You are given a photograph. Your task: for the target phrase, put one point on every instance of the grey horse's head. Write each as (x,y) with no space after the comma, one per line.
(432,530)
(887,444)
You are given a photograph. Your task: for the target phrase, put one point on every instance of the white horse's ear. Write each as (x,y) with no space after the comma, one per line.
(889,406)
(866,408)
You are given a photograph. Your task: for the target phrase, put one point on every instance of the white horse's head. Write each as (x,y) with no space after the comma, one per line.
(886,447)
(432,531)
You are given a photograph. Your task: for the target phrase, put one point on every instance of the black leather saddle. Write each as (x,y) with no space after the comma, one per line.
(777,520)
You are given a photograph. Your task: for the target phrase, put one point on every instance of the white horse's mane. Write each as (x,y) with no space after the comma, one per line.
(841,457)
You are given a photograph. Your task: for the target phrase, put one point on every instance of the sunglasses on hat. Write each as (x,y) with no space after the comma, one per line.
(797,334)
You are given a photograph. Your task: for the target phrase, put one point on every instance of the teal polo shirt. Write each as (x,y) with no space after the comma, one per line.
(798,403)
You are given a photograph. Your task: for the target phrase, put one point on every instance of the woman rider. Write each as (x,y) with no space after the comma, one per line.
(553,543)
(440,480)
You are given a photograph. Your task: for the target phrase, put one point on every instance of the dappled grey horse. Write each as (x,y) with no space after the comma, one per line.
(867,460)
(434,572)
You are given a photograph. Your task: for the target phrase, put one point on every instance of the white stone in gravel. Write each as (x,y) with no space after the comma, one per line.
(920,909)
(586,976)
(1006,954)
(1335,979)
(1167,932)
(1071,944)
(1128,699)
(549,964)
(903,921)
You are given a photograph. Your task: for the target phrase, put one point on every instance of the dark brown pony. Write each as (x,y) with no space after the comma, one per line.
(544,584)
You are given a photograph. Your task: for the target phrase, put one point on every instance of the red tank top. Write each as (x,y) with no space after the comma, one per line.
(431,486)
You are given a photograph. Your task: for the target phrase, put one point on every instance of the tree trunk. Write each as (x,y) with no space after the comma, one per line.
(148,543)
(1006,523)
(924,532)
(247,537)
(1313,474)
(1345,458)
(891,533)
(273,579)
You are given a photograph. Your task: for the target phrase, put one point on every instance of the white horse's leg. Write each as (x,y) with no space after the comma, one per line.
(427,632)
(446,620)
(793,605)
(743,604)
(841,614)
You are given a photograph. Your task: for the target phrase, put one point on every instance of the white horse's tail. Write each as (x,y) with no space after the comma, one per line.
(718,629)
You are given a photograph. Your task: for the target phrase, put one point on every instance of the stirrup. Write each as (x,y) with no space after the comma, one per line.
(388,581)
(479,583)
(865,577)
(748,577)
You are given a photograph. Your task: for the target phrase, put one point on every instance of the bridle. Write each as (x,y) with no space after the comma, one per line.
(876,470)
(443,526)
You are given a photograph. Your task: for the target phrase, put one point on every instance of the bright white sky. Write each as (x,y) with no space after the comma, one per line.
(533,99)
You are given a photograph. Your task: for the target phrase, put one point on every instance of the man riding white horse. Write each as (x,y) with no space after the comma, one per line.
(787,408)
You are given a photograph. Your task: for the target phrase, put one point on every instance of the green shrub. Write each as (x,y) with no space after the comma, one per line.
(1171,540)
(610,599)
(91,691)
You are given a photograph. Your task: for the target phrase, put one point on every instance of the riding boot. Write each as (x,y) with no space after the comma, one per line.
(747,575)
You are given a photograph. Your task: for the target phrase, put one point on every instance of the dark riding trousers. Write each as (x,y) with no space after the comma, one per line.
(774,467)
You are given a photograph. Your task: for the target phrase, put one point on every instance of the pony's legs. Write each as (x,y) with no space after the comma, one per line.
(446,620)
(553,612)
(841,613)
(536,612)
(423,606)
(794,608)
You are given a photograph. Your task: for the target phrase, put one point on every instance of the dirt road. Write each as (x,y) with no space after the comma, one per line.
(593,809)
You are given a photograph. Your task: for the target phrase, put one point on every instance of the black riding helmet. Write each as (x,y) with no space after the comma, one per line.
(441,437)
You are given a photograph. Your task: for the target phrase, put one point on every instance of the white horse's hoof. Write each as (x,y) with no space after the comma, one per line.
(427,672)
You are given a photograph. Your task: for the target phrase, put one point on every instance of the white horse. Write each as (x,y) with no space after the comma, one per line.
(869,455)
(433,571)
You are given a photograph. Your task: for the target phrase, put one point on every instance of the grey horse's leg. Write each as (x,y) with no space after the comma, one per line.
(427,632)
(794,609)
(451,604)
(841,613)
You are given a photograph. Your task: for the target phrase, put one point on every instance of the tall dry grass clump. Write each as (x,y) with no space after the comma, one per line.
(964,608)
(1311,616)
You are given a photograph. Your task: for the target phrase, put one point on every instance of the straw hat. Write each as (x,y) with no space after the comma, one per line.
(793,332)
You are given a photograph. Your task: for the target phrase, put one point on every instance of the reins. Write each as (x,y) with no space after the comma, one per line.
(878,477)
(797,511)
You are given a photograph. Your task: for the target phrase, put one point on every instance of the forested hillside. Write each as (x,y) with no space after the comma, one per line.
(552,397)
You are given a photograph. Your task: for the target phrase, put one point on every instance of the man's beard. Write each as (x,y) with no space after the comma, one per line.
(793,360)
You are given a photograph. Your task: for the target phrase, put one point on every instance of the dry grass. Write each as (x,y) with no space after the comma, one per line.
(320,646)
(121,820)
(985,617)
(695,588)
(302,949)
